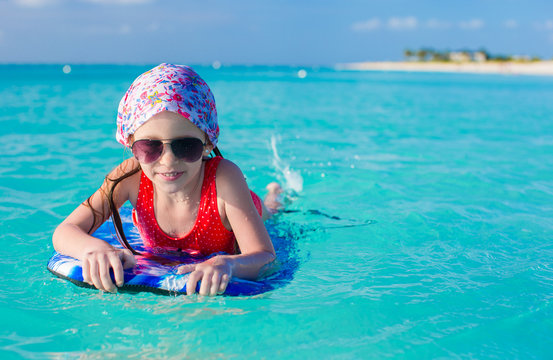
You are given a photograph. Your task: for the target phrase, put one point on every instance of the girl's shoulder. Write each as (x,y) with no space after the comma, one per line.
(227,170)
(229,178)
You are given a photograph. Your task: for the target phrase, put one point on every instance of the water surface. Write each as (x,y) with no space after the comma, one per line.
(423,219)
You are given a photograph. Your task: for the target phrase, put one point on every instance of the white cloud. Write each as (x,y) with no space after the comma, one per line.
(473,24)
(35,3)
(393,23)
(545,25)
(438,24)
(405,23)
(102,30)
(511,24)
(125,29)
(369,25)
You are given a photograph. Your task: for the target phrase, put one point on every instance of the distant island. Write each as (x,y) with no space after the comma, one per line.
(463,56)
(463,61)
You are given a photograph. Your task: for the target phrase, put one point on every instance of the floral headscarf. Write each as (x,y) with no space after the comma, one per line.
(167,87)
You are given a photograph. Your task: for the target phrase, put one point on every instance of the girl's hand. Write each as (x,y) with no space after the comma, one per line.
(96,266)
(214,275)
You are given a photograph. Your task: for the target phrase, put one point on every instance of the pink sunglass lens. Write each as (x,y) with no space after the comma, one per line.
(147,151)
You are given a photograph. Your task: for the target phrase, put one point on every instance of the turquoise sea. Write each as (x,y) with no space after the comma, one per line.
(421,215)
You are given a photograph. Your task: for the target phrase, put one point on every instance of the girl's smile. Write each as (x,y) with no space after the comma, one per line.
(171,176)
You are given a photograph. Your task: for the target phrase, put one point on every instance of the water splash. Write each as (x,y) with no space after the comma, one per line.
(290,179)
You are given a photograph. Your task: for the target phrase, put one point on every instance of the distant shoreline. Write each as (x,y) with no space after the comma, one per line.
(542,68)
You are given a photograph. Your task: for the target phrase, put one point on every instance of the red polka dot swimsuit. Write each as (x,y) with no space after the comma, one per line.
(208,235)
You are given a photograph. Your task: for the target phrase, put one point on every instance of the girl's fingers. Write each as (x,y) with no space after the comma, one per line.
(97,266)
(214,277)
(86,271)
(117,266)
(93,270)
(104,266)
(224,283)
(192,282)
(215,283)
(205,286)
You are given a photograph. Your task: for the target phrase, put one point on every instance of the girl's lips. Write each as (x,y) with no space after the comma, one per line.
(171,176)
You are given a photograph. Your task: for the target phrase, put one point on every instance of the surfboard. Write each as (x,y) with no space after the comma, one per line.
(156,273)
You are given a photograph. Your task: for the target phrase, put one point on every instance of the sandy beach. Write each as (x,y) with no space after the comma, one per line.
(512,68)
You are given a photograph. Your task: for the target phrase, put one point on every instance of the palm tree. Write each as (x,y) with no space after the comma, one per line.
(422,54)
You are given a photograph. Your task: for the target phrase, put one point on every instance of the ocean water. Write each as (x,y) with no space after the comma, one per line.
(420,209)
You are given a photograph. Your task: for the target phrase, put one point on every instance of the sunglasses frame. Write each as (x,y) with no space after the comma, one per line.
(170,142)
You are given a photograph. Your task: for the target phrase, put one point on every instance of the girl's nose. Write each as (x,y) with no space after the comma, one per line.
(167,156)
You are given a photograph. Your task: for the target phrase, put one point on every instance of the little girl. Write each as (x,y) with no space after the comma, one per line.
(182,200)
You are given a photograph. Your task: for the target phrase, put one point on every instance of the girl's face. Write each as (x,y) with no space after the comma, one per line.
(170,174)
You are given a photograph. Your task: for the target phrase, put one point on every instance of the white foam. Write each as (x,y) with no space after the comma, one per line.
(291,179)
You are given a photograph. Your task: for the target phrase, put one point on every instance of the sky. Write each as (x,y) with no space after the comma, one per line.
(272,32)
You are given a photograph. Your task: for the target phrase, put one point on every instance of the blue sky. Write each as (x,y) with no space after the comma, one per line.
(300,32)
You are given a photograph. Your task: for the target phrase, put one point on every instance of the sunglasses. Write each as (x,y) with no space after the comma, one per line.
(188,149)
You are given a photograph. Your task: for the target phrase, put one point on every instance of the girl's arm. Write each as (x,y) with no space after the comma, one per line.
(252,237)
(72,236)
